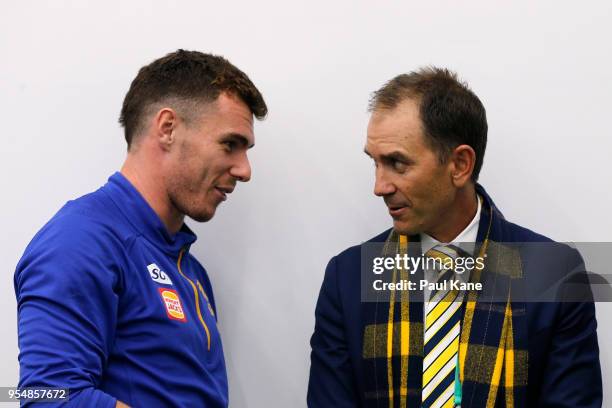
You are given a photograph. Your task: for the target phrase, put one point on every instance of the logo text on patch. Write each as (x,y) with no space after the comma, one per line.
(158,275)
(174,309)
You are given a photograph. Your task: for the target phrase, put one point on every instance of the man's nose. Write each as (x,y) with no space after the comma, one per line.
(382,186)
(241,170)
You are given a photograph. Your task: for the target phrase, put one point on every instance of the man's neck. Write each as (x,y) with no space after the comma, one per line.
(458,217)
(151,189)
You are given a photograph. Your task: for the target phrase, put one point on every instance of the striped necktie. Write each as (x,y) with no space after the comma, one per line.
(442,328)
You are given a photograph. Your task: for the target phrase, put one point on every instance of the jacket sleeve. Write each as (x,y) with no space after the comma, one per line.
(331,382)
(67,307)
(572,376)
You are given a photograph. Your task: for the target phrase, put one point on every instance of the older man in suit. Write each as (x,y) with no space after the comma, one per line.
(427,136)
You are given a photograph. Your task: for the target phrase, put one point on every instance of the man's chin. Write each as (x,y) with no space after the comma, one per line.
(202,216)
(404,228)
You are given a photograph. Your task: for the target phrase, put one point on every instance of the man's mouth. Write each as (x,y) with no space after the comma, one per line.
(396,210)
(223,192)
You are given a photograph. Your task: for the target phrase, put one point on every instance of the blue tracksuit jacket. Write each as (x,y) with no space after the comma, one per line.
(113,307)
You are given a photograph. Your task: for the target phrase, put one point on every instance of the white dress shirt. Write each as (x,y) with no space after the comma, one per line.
(465,240)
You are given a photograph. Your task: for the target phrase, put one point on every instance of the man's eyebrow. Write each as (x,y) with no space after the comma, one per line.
(394,155)
(397,155)
(239,138)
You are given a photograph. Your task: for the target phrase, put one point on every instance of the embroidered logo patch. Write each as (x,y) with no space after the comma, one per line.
(173,304)
(158,275)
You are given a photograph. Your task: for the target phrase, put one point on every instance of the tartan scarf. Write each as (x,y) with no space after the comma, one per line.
(493,341)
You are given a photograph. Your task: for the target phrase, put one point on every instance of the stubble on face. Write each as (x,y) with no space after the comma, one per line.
(186,186)
(201,165)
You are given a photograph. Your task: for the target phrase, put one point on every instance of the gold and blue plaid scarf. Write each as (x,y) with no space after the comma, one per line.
(493,340)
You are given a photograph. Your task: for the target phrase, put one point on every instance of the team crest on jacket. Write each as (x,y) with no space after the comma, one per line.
(174,309)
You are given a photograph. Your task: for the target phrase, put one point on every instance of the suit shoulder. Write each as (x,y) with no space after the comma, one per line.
(537,246)
(519,233)
(352,254)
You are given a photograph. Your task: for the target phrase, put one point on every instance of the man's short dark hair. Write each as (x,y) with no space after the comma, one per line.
(186,79)
(451,113)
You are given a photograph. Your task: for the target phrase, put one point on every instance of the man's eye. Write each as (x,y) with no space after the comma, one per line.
(229,145)
(398,166)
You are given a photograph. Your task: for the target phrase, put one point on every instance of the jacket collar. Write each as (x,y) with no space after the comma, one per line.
(491,218)
(143,218)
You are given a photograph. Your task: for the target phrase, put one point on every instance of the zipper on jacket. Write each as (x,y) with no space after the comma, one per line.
(197,297)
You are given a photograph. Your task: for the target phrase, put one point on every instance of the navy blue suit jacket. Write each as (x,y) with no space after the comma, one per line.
(563,369)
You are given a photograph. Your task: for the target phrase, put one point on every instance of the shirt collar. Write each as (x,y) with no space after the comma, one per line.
(143,218)
(466,238)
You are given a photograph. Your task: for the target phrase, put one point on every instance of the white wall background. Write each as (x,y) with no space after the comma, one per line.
(542,69)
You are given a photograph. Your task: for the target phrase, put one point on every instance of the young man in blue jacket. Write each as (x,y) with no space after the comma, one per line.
(446,347)
(111,304)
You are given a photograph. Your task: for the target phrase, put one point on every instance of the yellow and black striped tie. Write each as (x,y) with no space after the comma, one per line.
(442,328)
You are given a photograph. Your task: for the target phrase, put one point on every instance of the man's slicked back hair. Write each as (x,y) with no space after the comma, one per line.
(451,113)
(187,79)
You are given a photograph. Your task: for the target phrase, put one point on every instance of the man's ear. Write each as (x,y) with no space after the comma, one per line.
(165,123)
(462,160)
